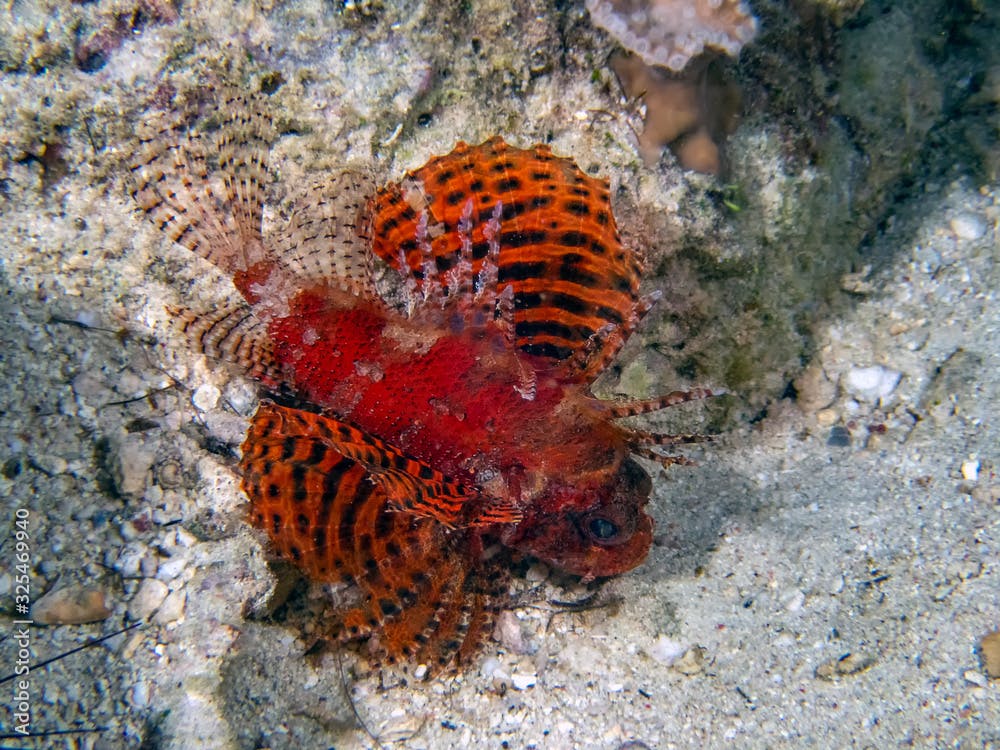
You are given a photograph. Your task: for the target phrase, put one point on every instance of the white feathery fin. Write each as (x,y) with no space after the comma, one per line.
(204,189)
(231,333)
(170,184)
(328,236)
(243,141)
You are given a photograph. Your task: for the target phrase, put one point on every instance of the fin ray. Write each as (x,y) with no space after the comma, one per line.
(329,234)
(232,334)
(206,193)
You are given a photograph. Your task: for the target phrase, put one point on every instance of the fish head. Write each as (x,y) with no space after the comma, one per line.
(594,530)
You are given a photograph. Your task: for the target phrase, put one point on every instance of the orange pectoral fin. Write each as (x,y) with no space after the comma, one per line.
(414,487)
(411,486)
(424,592)
(440,500)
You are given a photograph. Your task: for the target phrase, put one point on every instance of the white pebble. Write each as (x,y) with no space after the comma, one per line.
(537,573)
(975,678)
(794,600)
(826,417)
(229,428)
(150,595)
(148,567)
(139,695)
(242,397)
(132,468)
(185,538)
(51,465)
(489,667)
(523,681)
(50,694)
(667,651)
(170,569)
(172,608)
(508,631)
(836,585)
(968,227)
(970,471)
(206,397)
(871,383)
(130,558)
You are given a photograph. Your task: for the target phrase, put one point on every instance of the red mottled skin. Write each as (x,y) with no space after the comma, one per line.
(451,399)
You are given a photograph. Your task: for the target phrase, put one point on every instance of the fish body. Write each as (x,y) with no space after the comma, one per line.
(435,430)
(456,400)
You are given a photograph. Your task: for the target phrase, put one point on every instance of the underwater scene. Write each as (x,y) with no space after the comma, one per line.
(540,374)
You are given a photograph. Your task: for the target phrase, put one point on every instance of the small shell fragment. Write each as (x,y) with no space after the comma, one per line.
(523,681)
(844,665)
(974,677)
(71,606)
(970,470)
(172,608)
(989,651)
(871,383)
(667,651)
(692,662)
(147,598)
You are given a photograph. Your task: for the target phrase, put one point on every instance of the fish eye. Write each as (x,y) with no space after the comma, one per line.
(601,529)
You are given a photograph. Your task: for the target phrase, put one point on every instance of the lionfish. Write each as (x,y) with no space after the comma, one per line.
(418,434)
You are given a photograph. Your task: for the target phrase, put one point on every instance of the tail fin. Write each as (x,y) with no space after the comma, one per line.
(204,189)
(231,333)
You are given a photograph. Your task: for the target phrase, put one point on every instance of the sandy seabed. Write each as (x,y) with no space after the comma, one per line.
(823,577)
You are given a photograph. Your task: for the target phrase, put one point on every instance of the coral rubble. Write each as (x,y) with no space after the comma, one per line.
(671,32)
(691,112)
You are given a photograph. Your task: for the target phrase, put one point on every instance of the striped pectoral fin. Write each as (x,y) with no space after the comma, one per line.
(405,633)
(424,592)
(410,485)
(454,611)
(443,501)
(242,142)
(323,511)
(414,487)
(305,495)
(464,621)
(169,182)
(418,489)
(546,227)
(600,349)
